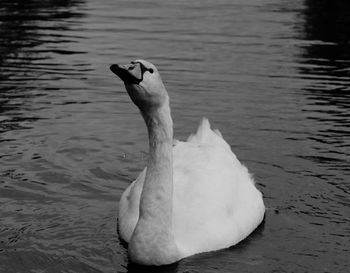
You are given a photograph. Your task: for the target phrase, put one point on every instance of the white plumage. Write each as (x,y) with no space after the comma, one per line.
(215,201)
(193,196)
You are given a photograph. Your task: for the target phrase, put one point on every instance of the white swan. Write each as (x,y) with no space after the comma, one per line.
(193,196)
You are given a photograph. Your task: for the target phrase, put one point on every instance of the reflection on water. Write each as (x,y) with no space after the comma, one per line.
(31,38)
(272,75)
(327,67)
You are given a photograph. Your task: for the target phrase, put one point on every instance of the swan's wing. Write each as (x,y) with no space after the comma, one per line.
(128,212)
(215,201)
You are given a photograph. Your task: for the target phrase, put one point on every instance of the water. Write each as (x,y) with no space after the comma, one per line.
(273,75)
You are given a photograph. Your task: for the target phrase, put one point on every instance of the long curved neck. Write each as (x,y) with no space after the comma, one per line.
(153,240)
(156,198)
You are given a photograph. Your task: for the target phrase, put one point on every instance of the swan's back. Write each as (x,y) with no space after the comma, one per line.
(215,201)
(216,204)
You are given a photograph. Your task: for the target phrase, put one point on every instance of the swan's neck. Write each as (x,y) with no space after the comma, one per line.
(157,194)
(152,241)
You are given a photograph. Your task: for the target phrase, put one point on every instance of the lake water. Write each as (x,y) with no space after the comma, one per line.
(272,75)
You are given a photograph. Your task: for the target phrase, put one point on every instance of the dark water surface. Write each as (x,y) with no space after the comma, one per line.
(273,75)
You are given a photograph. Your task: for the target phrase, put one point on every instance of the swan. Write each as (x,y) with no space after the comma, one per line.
(194,196)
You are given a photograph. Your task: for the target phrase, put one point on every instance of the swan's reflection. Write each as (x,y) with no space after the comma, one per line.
(172,268)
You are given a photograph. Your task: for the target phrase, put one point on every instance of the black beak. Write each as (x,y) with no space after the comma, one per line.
(129,74)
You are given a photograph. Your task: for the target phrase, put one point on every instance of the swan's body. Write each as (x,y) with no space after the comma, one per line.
(192,197)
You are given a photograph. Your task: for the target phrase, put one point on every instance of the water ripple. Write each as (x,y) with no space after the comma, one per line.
(273,76)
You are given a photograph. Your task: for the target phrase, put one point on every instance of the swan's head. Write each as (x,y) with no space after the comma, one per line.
(143,83)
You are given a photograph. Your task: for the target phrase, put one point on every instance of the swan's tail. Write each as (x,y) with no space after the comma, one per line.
(204,134)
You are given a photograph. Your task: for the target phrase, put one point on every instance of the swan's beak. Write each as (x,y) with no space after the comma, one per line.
(129,74)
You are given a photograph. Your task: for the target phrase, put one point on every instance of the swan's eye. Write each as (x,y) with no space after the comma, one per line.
(150,70)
